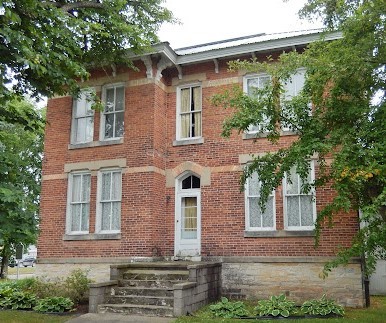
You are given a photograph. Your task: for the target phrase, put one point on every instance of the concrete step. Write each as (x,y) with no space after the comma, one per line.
(151,310)
(146,274)
(148,283)
(141,300)
(141,291)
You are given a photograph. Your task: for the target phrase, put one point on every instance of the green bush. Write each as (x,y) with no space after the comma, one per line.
(76,286)
(275,306)
(54,305)
(227,309)
(322,306)
(13,299)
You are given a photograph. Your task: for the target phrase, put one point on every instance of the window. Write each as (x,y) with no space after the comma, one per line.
(109,206)
(299,207)
(256,219)
(78,208)
(112,124)
(292,88)
(82,119)
(251,84)
(189,107)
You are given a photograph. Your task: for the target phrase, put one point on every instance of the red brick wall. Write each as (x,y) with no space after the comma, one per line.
(148,207)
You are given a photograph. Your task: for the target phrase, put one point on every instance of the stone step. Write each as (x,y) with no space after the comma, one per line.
(151,310)
(145,274)
(141,291)
(141,300)
(148,283)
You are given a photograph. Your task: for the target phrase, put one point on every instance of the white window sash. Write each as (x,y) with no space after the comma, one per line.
(310,194)
(88,113)
(197,113)
(248,197)
(108,201)
(71,203)
(112,113)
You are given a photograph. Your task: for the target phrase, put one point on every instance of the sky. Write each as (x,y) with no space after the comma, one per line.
(205,21)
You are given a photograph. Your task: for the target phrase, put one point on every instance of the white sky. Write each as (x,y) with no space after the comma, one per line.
(205,21)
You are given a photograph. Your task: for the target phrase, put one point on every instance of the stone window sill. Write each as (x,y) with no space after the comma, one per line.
(183,142)
(92,236)
(257,135)
(278,234)
(117,141)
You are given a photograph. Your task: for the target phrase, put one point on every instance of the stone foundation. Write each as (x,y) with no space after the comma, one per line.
(299,281)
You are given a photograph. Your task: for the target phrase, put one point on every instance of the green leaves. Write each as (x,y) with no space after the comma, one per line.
(322,306)
(54,305)
(228,309)
(275,306)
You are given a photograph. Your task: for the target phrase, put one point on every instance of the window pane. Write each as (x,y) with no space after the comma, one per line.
(254,185)
(75,217)
(196,124)
(306,211)
(106,185)
(196,99)
(116,215)
(187,183)
(119,124)
(80,134)
(109,106)
(86,188)
(76,188)
(106,215)
(293,211)
(185,100)
(189,218)
(185,126)
(109,125)
(84,219)
(119,100)
(195,182)
(293,187)
(254,212)
(268,214)
(89,129)
(116,188)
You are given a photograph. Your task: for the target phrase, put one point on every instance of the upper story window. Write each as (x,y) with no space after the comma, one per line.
(189,112)
(252,83)
(110,196)
(78,208)
(82,118)
(299,206)
(112,123)
(256,218)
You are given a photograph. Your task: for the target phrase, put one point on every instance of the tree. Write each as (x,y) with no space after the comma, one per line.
(21,149)
(46,47)
(345,81)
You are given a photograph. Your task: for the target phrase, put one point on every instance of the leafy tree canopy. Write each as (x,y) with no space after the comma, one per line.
(346,131)
(46,46)
(21,149)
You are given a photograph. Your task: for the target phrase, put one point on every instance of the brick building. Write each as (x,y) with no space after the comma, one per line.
(151,178)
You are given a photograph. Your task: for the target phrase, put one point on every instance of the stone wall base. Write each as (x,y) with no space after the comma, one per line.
(298,281)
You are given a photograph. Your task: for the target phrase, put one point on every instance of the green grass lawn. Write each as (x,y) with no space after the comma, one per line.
(8,316)
(22,270)
(375,314)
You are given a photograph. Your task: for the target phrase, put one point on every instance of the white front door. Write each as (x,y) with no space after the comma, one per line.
(188,217)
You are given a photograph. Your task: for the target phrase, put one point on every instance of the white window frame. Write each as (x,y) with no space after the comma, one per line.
(178,111)
(248,227)
(81,99)
(257,127)
(311,193)
(103,114)
(70,202)
(298,88)
(98,220)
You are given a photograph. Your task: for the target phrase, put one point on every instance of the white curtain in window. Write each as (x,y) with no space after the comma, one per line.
(189,218)
(185,113)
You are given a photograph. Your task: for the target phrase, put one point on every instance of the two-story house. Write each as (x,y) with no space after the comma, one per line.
(151,178)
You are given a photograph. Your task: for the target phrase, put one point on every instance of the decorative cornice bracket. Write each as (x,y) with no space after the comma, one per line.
(215,61)
(149,66)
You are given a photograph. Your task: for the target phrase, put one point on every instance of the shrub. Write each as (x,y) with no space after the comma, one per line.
(18,300)
(227,309)
(54,305)
(275,306)
(322,306)
(5,293)
(76,285)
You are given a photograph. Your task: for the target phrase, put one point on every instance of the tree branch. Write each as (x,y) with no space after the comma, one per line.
(67,7)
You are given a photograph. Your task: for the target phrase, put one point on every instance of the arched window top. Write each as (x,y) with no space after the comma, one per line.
(190,182)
